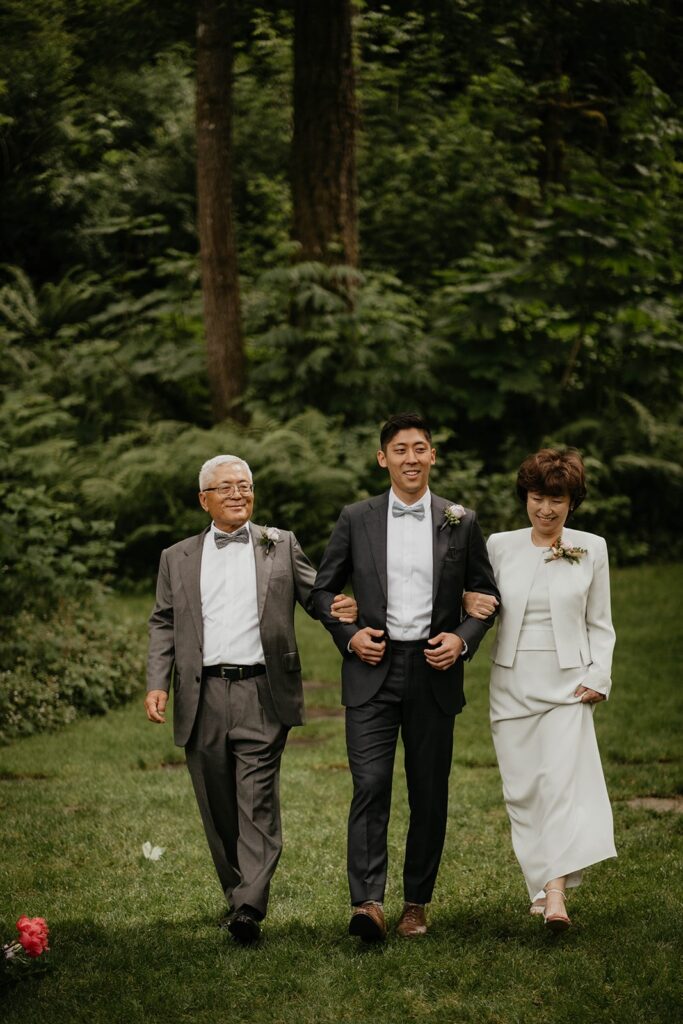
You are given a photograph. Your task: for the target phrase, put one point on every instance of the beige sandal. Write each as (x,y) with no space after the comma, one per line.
(556,922)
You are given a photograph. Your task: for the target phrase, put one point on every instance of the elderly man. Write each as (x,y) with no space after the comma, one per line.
(223,629)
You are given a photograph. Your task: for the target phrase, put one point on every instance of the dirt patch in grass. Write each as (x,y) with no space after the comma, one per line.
(22,776)
(324,712)
(628,759)
(670,804)
(305,741)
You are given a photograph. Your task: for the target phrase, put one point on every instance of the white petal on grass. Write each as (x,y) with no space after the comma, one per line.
(152,852)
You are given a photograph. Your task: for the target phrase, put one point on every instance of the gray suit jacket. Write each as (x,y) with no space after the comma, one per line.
(357,552)
(283,576)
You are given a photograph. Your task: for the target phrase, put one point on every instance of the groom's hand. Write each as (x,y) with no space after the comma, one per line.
(446,648)
(368,650)
(155,705)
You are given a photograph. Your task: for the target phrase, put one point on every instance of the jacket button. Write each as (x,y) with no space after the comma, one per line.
(197,679)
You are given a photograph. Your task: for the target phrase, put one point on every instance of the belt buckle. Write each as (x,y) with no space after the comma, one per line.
(231,672)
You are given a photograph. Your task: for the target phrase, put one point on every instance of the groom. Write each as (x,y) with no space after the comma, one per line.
(409,556)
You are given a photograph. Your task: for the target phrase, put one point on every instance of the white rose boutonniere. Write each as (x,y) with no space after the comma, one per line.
(452,515)
(269,537)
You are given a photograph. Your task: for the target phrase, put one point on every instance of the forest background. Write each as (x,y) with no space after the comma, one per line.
(467,207)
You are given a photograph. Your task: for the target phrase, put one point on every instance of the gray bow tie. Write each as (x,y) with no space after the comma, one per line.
(407,510)
(240,536)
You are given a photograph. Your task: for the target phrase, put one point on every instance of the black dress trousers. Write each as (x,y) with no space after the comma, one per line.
(403,703)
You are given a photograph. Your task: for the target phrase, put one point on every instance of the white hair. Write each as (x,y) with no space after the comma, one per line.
(206,472)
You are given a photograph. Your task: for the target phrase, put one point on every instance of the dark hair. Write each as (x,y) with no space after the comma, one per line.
(553,471)
(403,421)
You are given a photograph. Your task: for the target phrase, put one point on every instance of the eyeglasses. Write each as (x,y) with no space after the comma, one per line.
(223,490)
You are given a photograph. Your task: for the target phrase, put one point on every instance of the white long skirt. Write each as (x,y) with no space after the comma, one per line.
(553,783)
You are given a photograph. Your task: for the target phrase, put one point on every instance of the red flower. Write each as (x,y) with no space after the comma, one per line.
(33,933)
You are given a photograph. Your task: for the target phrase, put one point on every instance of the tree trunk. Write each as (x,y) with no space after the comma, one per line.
(324,187)
(220,283)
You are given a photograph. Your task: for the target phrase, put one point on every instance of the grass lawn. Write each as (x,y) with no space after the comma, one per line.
(135,940)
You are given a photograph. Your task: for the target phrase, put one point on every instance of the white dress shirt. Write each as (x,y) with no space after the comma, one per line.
(229,603)
(410,571)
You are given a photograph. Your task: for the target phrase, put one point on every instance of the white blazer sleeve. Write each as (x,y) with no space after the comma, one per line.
(601,635)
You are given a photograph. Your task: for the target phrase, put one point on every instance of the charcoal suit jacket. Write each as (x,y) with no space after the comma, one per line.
(357,553)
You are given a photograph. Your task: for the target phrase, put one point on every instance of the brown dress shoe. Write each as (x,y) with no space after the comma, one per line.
(412,921)
(368,922)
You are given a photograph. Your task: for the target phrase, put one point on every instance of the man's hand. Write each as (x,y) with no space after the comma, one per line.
(155,705)
(588,696)
(344,608)
(479,606)
(368,650)
(446,649)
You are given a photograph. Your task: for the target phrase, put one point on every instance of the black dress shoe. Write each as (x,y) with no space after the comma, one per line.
(244,926)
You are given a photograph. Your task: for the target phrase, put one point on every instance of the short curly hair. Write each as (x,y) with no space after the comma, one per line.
(553,471)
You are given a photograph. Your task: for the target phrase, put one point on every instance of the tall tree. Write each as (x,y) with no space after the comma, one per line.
(220,284)
(324,186)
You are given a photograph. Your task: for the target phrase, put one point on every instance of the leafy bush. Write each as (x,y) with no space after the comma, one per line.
(78,662)
(305,469)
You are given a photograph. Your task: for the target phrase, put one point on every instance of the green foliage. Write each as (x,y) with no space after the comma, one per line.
(48,548)
(520,210)
(305,469)
(351,345)
(77,662)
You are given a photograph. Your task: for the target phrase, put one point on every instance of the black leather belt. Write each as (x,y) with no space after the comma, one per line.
(232,672)
(409,645)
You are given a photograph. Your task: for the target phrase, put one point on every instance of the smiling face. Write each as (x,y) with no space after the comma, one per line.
(547,515)
(233,508)
(408,457)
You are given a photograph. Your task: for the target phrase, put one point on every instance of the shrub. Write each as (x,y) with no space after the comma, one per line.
(78,662)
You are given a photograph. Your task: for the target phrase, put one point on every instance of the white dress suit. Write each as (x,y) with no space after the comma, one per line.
(554,633)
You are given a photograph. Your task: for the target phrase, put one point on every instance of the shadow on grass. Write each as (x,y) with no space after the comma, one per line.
(190,969)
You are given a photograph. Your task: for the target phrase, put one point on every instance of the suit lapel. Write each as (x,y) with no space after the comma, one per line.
(440,539)
(264,560)
(375,522)
(561,583)
(190,572)
(526,558)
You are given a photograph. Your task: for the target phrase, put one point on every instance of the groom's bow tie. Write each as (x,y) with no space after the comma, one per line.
(407,510)
(240,536)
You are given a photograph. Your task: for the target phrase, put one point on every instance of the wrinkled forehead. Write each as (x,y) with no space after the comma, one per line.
(230,473)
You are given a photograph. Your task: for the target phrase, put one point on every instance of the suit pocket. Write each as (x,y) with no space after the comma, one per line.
(291,662)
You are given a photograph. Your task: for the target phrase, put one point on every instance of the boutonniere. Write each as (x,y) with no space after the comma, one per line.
(452,515)
(563,549)
(269,537)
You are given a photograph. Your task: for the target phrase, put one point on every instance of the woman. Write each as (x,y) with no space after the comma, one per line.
(552,660)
